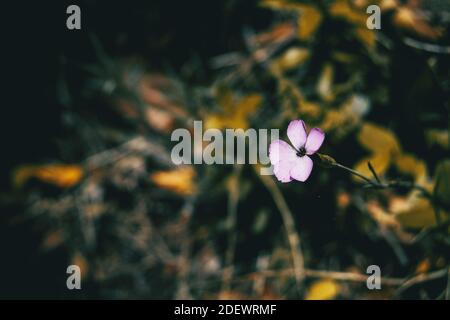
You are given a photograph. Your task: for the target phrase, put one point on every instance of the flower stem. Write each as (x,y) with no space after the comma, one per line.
(329,162)
(354,172)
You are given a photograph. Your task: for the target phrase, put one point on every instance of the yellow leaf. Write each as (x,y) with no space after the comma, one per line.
(225,99)
(234,115)
(347,116)
(292,58)
(308,22)
(61,175)
(342,9)
(309,108)
(231,295)
(405,17)
(22,174)
(380,162)
(386,5)
(415,213)
(366,36)
(410,165)
(323,290)
(248,105)
(180,181)
(378,139)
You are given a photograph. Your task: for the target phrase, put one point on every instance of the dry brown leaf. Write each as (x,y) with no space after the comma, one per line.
(160,120)
(155,91)
(61,175)
(342,9)
(381,216)
(410,19)
(53,240)
(415,213)
(383,4)
(378,139)
(231,295)
(308,22)
(278,4)
(79,260)
(279,33)
(343,199)
(380,162)
(423,266)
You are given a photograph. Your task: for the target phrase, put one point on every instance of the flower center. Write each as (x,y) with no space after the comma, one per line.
(301,152)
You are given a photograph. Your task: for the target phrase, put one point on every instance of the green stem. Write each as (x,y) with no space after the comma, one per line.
(354,172)
(377,183)
(329,162)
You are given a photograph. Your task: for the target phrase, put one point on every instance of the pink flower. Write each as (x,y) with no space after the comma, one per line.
(292,162)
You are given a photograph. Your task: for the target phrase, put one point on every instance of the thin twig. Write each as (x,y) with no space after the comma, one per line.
(402,283)
(183,290)
(421,278)
(289,224)
(429,47)
(233,198)
(374,173)
(324,274)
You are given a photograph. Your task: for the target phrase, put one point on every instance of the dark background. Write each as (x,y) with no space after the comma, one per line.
(36,49)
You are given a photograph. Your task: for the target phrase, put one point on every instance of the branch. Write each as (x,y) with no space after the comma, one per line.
(289,225)
(421,278)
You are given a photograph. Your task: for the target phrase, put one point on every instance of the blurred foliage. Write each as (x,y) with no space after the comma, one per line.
(140,227)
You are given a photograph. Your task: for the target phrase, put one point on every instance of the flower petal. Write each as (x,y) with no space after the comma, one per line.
(296,132)
(302,168)
(314,140)
(280,150)
(282,170)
